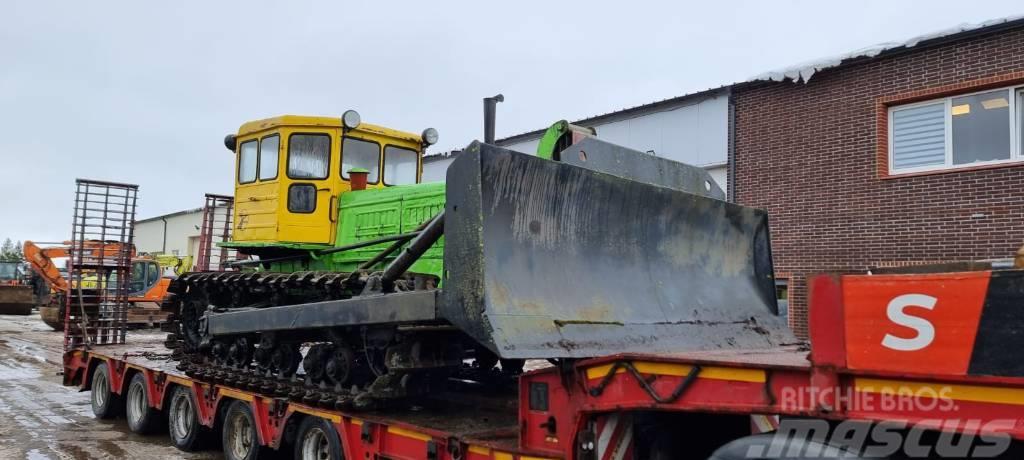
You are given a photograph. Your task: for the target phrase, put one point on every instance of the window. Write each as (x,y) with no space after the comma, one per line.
(144,276)
(356,153)
(400,166)
(302,198)
(268,157)
(8,271)
(981,127)
(1020,121)
(309,156)
(959,131)
(247,162)
(782,296)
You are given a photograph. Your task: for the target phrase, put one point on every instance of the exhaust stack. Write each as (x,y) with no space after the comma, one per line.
(490,111)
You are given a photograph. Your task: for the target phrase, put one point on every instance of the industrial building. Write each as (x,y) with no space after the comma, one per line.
(692,129)
(900,154)
(888,156)
(903,154)
(176,233)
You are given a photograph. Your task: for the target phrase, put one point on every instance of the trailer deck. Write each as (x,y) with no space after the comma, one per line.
(483,424)
(558,408)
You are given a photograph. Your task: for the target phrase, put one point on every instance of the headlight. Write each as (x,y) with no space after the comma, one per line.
(351,119)
(429,136)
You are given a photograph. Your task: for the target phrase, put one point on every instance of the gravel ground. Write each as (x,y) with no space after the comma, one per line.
(41,419)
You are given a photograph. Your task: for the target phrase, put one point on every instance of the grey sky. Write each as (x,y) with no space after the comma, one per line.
(143,92)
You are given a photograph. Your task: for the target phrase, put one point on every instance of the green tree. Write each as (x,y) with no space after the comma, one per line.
(11,252)
(18,251)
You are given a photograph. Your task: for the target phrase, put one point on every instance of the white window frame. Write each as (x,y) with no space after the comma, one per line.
(1014,119)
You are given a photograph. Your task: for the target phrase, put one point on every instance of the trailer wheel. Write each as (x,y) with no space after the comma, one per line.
(142,418)
(240,440)
(105,404)
(317,440)
(183,420)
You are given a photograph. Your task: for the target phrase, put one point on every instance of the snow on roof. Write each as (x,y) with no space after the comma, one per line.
(796,73)
(804,71)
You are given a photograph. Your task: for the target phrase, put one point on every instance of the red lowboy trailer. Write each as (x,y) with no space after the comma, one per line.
(934,351)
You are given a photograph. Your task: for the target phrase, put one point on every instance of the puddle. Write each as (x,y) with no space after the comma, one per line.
(42,419)
(15,370)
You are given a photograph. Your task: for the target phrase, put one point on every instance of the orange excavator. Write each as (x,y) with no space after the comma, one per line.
(146,289)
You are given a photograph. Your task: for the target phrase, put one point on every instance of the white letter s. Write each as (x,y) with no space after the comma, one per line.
(925,329)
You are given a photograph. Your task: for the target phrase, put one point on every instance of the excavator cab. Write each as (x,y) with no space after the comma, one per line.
(145,275)
(291,171)
(10,272)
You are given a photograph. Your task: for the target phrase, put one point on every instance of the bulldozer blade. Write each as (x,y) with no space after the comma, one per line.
(548,260)
(16,300)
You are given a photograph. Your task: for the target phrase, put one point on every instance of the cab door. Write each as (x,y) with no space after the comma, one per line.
(309,191)
(145,275)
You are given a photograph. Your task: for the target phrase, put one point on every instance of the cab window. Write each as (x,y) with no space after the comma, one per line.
(247,162)
(357,153)
(309,156)
(144,276)
(399,166)
(268,157)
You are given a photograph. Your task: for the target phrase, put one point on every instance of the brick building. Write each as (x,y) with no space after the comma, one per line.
(911,155)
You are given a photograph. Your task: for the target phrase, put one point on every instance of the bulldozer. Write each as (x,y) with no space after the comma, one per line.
(380,287)
(16,296)
(147,285)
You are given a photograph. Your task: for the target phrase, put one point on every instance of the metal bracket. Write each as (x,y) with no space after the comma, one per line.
(454,448)
(278,407)
(768,394)
(366,434)
(159,379)
(586,443)
(690,378)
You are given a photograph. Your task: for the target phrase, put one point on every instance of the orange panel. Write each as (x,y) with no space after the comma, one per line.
(913,323)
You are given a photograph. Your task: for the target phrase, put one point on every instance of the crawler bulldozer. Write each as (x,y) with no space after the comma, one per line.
(367,279)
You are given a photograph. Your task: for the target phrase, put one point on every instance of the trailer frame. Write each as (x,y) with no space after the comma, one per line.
(582,409)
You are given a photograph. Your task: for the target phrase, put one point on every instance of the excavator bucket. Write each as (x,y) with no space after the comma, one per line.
(544,259)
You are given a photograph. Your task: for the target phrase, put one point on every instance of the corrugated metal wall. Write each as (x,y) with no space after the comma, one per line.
(694,132)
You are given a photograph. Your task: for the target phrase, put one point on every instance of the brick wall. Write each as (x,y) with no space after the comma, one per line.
(809,154)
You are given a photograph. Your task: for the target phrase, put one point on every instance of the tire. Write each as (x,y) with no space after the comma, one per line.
(317,440)
(183,425)
(105,404)
(239,438)
(142,418)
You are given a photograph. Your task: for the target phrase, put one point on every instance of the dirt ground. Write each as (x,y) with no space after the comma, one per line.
(41,419)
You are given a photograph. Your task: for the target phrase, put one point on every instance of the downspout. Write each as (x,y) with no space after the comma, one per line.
(730,179)
(163,248)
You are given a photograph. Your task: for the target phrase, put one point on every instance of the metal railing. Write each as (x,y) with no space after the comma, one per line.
(216,228)
(99,263)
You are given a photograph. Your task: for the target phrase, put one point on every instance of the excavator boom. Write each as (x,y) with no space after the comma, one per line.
(42,261)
